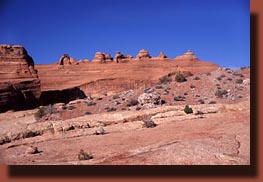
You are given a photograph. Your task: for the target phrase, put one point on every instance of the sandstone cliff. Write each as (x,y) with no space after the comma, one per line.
(19,83)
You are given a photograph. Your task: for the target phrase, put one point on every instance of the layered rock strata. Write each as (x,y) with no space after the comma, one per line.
(19,83)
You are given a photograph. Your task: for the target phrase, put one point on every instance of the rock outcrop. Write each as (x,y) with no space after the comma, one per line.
(19,83)
(143,54)
(108,57)
(101,57)
(162,55)
(122,58)
(64,60)
(189,55)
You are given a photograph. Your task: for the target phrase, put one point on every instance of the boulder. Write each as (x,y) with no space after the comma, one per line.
(149,100)
(19,83)
(143,54)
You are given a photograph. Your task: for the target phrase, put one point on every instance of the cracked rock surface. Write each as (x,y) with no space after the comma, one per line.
(177,139)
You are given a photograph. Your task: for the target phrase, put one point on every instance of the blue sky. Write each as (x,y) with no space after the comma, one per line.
(216,30)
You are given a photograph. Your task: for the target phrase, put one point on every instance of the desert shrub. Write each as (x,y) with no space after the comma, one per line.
(165,79)
(132,102)
(229,79)
(201,101)
(236,73)
(180,78)
(91,103)
(158,86)
(196,78)
(223,75)
(199,113)
(208,74)
(179,98)
(84,156)
(100,98)
(115,97)
(192,86)
(240,96)
(71,107)
(212,102)
(162,101)
(42,111)
(87,113)
(239,81)
(138,108)
(219,78)
(188,110)
(149,124)
(220,93)
(185,93)
(148,90)
(110,109)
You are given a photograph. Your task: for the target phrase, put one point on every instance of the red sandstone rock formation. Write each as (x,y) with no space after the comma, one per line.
(162,55)
(189,55)
(122,58)
(143,54)
(19,83)
(99,58)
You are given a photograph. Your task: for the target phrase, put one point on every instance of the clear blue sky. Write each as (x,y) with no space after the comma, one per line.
(216,30)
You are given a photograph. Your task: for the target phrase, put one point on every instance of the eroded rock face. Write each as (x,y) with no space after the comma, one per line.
(143,54)
(19,83)
(188,55)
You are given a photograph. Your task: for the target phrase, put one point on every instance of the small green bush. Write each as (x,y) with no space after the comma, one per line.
(91,103)
(165,79)
(201,101)
(212,102)
(239,81)
(42,111)
(84,156)
(192,86)
(219,78)
(180,78)
(110,109)
(115,97)
(220,93)
(196,78)
(71,107)
(179,98)
(87,113)
(149,124)
(188,110)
